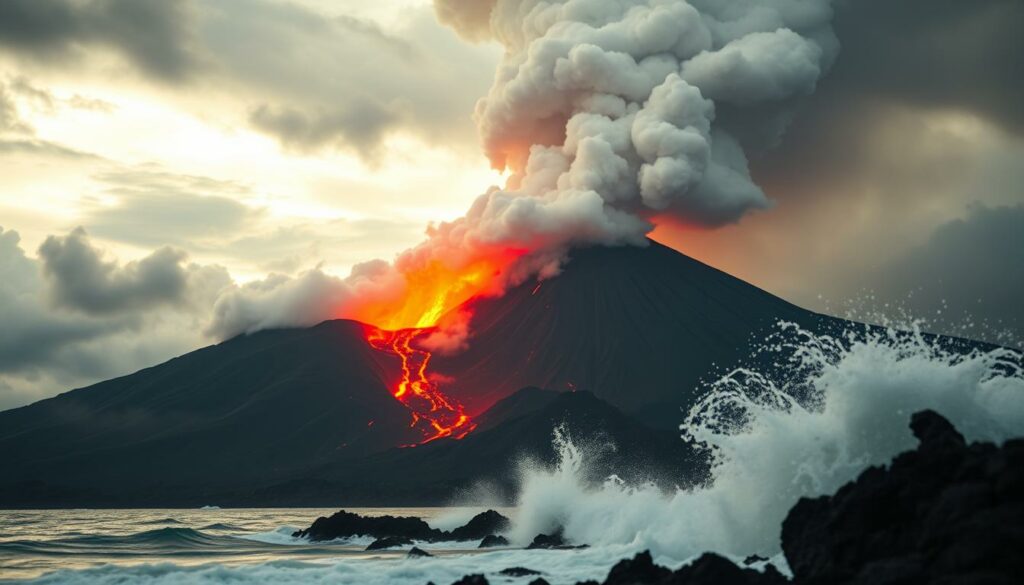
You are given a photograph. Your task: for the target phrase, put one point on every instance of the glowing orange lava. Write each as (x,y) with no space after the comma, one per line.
(432,412)
(432,288)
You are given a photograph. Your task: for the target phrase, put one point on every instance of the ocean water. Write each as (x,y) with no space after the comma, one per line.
(843,404)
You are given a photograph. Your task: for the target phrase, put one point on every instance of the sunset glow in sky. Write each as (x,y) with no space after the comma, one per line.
(263,140)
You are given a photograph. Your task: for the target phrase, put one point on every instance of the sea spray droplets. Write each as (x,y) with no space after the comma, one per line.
(798,436)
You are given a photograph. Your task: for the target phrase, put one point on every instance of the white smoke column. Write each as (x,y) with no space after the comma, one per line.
(606,113)
(609,111)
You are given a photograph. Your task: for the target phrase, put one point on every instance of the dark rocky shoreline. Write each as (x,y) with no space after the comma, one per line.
(947,512)
(392,531)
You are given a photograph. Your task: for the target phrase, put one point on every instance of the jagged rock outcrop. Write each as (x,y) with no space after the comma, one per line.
(709,569)
(346,525)
(491,541)
(482,525)
(947,512)
(389,542)
(417,552)
(392,531)
(555,540)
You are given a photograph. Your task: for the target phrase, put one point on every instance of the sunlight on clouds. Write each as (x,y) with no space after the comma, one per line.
(414,183)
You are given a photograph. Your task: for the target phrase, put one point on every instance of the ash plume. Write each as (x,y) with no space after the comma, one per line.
(606,114)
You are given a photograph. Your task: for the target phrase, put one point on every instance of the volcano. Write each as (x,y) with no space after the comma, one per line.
(637,328)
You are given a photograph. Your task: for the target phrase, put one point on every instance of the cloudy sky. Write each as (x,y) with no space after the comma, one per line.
(156,155)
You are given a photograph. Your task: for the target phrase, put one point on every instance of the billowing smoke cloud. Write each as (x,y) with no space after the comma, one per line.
(606,113)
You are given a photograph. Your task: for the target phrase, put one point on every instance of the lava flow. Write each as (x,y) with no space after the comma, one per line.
(428,302)
(435,414)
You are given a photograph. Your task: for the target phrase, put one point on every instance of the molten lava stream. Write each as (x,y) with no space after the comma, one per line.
(440,415)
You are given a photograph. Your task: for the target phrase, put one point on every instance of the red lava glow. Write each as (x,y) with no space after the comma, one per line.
(436,415)
(433,289)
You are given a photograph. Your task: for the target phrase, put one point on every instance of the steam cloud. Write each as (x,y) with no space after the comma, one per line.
(606,113)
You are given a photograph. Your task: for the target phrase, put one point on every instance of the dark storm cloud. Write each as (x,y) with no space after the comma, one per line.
(32,334)
(360,125)
(153,34)
(81,279)
(975,265)
(965,54)
(45,347)
(919,118)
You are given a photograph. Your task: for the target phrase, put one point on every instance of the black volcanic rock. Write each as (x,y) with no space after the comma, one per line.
(346,524)
(948,512)
(480,526)
(518,572)
(393,531)
(709,569)
(417,552)
(554,540)
(472,580)
(491,541)
(389,542)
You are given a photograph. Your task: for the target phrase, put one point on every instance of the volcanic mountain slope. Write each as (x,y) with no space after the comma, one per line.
(516,430)
(638,327)
(257,405)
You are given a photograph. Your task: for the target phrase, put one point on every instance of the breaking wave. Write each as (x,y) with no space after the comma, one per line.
(843,406)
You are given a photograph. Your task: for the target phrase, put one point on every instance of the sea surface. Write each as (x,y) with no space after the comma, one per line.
(177,545)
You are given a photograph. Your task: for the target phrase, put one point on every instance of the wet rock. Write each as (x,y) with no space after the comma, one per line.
(417,552)
(540,581)
(472,580)
(554,540)
(948,512)
(639,569)
(518,572)
(482,525)
(752,559)
(709,569)
(547,541)
(492,540)
(389,542)
(346,524)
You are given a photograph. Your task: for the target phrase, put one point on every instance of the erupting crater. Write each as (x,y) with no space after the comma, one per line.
(433,413)
(429,300)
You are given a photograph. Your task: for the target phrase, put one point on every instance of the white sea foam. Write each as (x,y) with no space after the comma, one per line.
(806,436)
